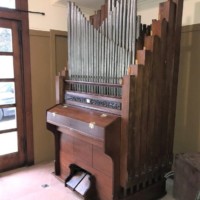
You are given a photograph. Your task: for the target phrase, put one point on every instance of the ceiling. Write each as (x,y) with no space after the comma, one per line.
(96,4)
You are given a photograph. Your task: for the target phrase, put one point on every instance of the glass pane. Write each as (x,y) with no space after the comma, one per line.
(7,3)
(8,143)
(6,67)
(7,93)
(6,40)
(7,118)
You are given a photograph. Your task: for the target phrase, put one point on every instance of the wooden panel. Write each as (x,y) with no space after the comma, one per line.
(41,94)
(83,151)
(104,185)
(66,146)
(66,143)
(80,136)
(160,29)
(66,154)
(128,90)
(135,154)
(102,162)
(84,115)
(154,98)
(187,129)
(86,121)
(167,11)
(61,51)
(174,83)
(65,162)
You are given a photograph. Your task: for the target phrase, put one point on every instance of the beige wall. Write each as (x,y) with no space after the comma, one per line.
(56,15)
(41,94)
(190,12)
(46,61)
(187,130)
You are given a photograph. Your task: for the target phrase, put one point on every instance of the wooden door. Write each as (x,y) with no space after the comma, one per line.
(12,136)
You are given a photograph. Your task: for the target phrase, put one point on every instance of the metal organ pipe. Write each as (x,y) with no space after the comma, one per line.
(103,51)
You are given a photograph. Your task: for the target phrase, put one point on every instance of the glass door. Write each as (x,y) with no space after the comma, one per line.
(12,136)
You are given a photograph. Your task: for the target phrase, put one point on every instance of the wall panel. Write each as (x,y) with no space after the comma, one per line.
(187,129)
(41,94)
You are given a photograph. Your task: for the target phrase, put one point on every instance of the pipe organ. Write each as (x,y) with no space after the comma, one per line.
(114,119)
(110,46)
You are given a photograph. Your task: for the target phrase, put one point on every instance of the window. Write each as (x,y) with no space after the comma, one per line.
(8,4)
(5,40)
(16,136)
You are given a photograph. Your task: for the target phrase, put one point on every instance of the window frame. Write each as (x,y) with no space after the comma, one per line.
(22,17)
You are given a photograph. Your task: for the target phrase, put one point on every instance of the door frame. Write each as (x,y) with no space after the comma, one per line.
(22,17)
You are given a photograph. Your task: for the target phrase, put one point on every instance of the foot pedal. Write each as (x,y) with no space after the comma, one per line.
(80,181)
(84,185)
(75,179)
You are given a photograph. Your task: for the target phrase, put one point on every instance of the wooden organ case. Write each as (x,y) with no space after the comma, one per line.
(114,119)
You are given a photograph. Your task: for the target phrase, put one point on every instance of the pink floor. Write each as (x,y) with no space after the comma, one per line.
(26,184)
